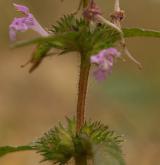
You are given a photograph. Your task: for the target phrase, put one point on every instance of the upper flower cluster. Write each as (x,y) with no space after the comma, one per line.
(28,21)
(104,59)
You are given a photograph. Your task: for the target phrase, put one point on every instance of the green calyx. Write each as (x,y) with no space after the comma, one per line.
(62,144)
(82,38)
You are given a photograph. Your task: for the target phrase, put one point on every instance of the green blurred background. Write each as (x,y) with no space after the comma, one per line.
(129,101)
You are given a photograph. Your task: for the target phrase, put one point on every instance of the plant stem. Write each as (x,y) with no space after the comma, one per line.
(82,86)
(82,91)
(81,160)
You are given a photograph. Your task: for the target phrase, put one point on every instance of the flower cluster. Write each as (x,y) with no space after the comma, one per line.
(28,21)
(104,61)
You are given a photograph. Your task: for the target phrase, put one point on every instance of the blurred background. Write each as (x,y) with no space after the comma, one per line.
(129,101)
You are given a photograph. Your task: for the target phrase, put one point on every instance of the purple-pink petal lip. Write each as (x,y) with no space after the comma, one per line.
(100,74)
(104,61)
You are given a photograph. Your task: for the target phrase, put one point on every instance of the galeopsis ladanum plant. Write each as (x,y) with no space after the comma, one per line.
(96,41)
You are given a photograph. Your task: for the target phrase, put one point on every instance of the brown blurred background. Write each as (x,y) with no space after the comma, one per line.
(129,101)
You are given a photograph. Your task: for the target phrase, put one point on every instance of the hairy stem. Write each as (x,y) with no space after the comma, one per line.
(82,91)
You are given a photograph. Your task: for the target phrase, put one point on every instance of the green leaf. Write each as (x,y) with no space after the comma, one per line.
(138,32)
(128,32)
(29,42)
(54,40)
(38,55)
(9,149)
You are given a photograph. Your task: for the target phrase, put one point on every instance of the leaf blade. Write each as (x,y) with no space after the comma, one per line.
(10,149)
(138,32)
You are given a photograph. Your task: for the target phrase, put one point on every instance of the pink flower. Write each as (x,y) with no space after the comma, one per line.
(104,61)
(91,11)
(22,24)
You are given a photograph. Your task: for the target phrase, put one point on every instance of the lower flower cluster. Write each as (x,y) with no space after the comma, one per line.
(62,144)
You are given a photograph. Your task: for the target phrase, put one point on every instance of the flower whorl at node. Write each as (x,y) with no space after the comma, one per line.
(61,144)
(104,61)
(22,24)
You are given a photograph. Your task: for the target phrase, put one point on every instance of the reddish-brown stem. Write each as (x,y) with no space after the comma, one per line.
(82,91)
